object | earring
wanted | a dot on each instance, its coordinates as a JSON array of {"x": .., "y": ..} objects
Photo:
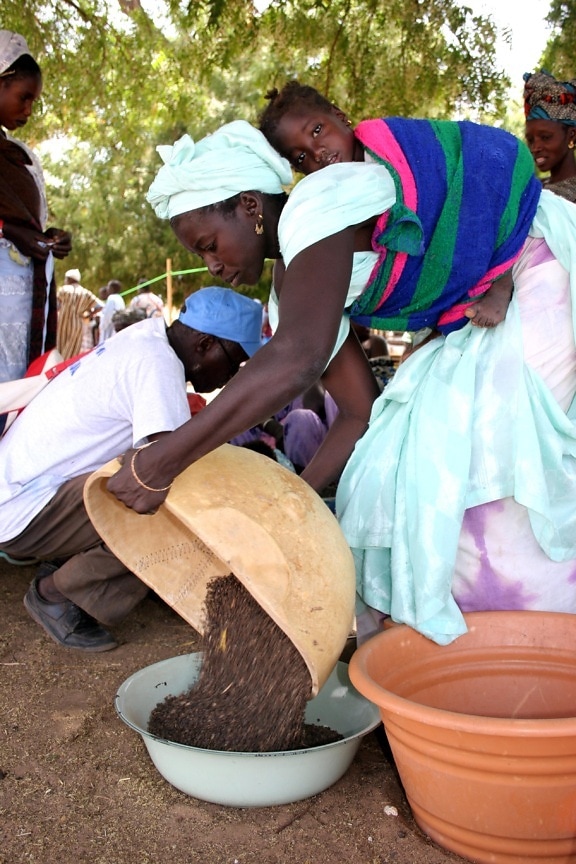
[
  {"x": 259, "y": 226},
  {"x": 571, "y": 145}
]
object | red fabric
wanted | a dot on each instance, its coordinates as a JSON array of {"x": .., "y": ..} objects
[
  {"x": 196, "y": 403},
  {"x": 37, "y": 365}
]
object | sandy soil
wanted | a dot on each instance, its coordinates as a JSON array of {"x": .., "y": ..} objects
[{"x": 77, "y": 785}]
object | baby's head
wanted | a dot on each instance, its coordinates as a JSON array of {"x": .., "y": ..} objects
[{"x": 307, "y": 129}]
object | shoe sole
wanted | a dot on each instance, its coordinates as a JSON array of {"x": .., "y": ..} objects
[{"x": 98, "y": 649}]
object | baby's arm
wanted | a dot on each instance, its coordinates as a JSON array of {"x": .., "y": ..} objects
[{"x": 492, "y": 307}]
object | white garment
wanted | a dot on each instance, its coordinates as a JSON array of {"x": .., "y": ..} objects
[
  {"x": 114, "y": 303},
  {"x": 327, "y": 202},
  {"x": 471, "y": 444},
  {"x": 150, "y": 303},
  {"x": 129, "y": 388},
  {"x": 16, "y": 277}
]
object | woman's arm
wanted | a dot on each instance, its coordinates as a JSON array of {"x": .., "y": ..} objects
[
  {"x": 312, "y": 300},
  {"x": 351, "y": 383},
  {"x": 29, "y": 241},
  {"x": 33, "y": 243}
]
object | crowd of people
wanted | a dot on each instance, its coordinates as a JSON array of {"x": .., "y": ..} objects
[{"x": 455, "y": 473}]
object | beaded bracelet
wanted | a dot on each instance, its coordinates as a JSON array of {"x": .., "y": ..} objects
[{"x": 135, "y": 475}]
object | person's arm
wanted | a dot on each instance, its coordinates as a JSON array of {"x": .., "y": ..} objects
[
  {"x": 311, "y": 302},
  {"x": 27, "y": 240},
  {"x": 35, "y": 244},
  {"x": 353, "y": 386}
]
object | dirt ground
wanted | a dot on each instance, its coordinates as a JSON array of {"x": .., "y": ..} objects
[{"x": 77, "y": 785}]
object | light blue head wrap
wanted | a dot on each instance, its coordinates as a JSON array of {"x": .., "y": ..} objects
[{"x": 236, "y": 158}]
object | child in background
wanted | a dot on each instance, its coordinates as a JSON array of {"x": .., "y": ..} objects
[{"x": 312, "y": 132}]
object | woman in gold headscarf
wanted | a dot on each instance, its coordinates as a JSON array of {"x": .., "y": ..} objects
[{"x": 550, "y": 109}]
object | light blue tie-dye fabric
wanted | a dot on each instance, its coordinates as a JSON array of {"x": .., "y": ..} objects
[{"x": 463, "y": 422}]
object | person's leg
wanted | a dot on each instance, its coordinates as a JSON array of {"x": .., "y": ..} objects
[
  {"x": 84, "y": 573},
  {"x": 100, "y": 584}
]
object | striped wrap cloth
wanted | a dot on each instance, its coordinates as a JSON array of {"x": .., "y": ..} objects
[{"x": 466, "y": 197}]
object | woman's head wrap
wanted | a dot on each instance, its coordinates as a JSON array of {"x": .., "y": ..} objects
[
  {"x": 12, "y": 46},
  {"x": 236, "y": 158},
  {"x": 545, "y": 98}
]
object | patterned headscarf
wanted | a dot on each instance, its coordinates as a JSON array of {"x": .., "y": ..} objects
[
  {"x": 545, "y": 98},
  {"x": 12, "y": 46},
  {"x": 236, "y": 158}
]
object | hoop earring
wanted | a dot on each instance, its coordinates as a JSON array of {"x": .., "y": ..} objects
[{"x": 259, "y": 226}]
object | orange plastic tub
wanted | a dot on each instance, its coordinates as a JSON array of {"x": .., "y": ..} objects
[{"x": 483, "y": 732}]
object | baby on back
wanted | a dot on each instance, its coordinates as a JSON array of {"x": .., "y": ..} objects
[{"x": 311, "y": 132}]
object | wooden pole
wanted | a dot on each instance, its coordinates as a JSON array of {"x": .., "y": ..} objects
[{"x": 169, "y": 288}]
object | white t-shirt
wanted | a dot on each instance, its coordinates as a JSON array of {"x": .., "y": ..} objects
[{"x": 129, "y": 388}]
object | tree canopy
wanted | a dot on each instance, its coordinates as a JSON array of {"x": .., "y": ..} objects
[
  {"x": 560, "y": 56},
  {"x": 121, "y": 76}
]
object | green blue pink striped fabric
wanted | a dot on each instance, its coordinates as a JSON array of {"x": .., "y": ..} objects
[{"x": 467, "y": 194}]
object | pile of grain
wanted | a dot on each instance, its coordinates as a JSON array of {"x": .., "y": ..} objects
[{"x": 253, "y": 685}]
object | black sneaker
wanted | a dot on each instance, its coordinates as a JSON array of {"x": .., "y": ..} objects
[{"x": 66, "y": 623}]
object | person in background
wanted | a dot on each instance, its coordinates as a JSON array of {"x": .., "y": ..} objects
[
  {"x": 376, "y": 349},
  {"x": 77, "y": 309},
  {"x": 550, "y": 109},
  {"x": 28, "y": 316},
  {"x": 374, "y": 344},
  {"x": 150, "y": 303},
  {"x": 305, "y": 424},
  {"x": 298, "y": 430},
  {"x": 128, "y": 392},
  {"x": 126, "y": 317},
  {"x": 113, "y": 302}
]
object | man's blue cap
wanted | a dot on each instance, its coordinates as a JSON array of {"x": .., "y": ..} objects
[{"x": 223, "y": 313}]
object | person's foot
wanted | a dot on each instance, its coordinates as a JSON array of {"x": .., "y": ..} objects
[
  {"x": 492, "y": 307},
  {"x": 485, "y": 314},
  {"x": 66, "y": 623}
]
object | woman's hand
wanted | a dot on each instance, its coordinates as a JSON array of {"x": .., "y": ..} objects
[
  {"x": 60, "y": 242},
  {"x": 129, "y": 485},
  {"x": 29, "y": 241}
]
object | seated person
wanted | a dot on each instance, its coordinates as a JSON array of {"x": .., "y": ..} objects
[{"x": 128, "y": 392}]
